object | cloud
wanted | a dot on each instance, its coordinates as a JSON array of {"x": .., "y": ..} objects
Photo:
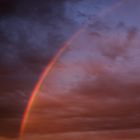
[
  {"x": 29, "y": 39},
  {"x": 1, "y": 138},
  {"x": 102, "y": 135},
  {"x": 100, "y": 71},
  {"x": 94, "y": 86}
]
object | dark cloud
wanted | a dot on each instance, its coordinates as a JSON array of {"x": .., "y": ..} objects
[
  {"x": 7, "y": 7},
  {"x": 31, "y": 32}
]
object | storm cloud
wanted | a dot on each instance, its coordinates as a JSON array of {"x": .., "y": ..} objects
[{"x": 96, "y": 79}]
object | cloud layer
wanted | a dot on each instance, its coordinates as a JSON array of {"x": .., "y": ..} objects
[
  {"x": 97, "y": 79},
  {"x": 94, "y": 86}
]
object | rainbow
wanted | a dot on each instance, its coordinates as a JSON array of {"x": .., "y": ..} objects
[
  {"x": 49, "y": 67},
  {"x": 40, "y": 81}
]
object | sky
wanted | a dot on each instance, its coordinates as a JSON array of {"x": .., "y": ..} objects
[{"x": 93, "y": 90}]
